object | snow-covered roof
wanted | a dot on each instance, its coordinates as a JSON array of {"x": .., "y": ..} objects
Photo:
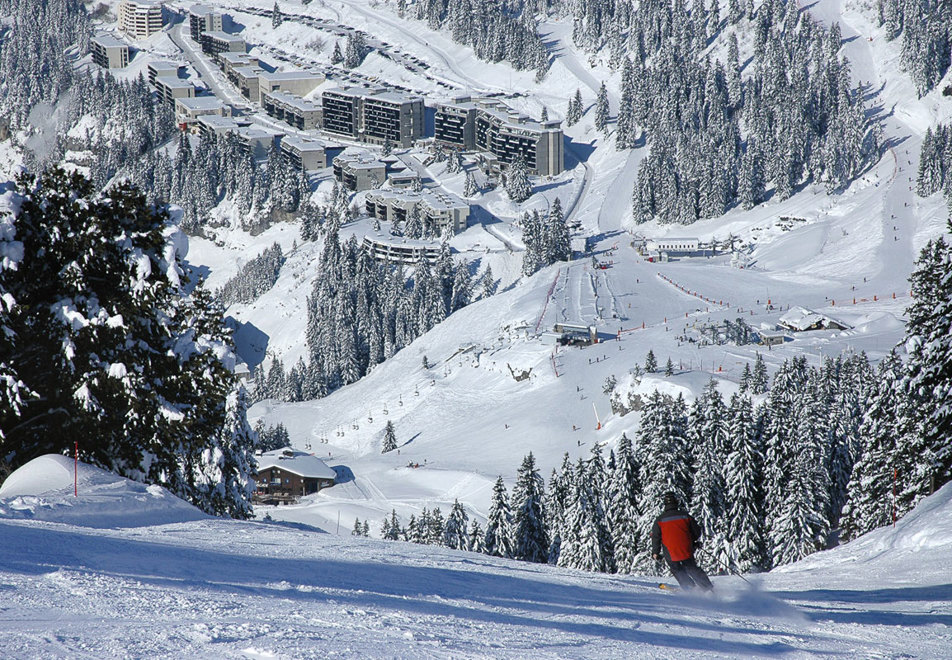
[
  {"x": 303, "y": 143},
  {"x": 201, "y": 103},
  {"x": 297, "y": 462},
  {"x": 108, "y": 41},
  {"x": 801, "y": 319},
  {"x": 223, "y": 36}
]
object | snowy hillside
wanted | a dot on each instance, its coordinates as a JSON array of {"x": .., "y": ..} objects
[
  {"x": 466, "y": 419},
  {"x": 111, "y": 582}
]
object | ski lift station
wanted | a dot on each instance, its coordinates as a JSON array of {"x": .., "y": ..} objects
[
  {"x": 660, "y": 249},
  {"x": 571, "y": 334}
]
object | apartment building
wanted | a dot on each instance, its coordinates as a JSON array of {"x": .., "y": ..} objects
[
  {"x": 140, "y": 19},
  {"x": 454, "y": 124},
  {"x": 109, "y": 52},
  {"x": 245, "y": 78},
  {"x": 203, "y": 19},
  {"x": 214, "y": 43},
  {"x": 217, "y": 125},
  {"x": 258, "y": 141},
  {"x": 373, "y": 115},
  {"x": 441, "y": 209},
  {"x": 172, "y": 89},
  {"x": 340, "y": 111},
  {"x": 162, "y": 69},
  {"x": 359, "y": 171},
  {"x": 284, "y": 106},
  {"x": 230, "y": 61},
  {"x": 388, "y": 116},
  {"x": 299, "y": 83},
  {"x": 397, "y": 251},
  {"x": 304, "y": 153},
  {"x": 189, "y": 109},
  {"x": 488, "y": 125}
]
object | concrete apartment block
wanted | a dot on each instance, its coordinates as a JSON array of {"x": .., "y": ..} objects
[
  {"x": 203, "y": 19},
  {"x": 488, "y": 125},
  {"x": 162, "y": 69},
  {"x": 373, "y": 115},
  {"x": 359, "y": 172},
  {"x": 171, "y": 89},
  {"x": 304, "y": 153},
  {"x": 245, "y": 78},
  {"x": 214, "y": 43},
  {"x": 189, "y": 109},
  {"x": 140, "y": 19},
  {"x": 284, "y": 106},
  {"x": 109, "y": 52}
]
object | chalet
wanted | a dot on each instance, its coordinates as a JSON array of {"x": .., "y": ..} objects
[
  {"x": 286, "y": 474},
  {"x": 801, "y": 319}
]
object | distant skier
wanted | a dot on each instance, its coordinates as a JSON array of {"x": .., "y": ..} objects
[{"x": 679, "y": 535}]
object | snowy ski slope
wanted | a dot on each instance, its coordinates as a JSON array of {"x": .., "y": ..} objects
[{"x": 168, "y": 582}]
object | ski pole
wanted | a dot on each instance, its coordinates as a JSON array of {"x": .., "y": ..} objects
[{"x": 726, "y": 568}]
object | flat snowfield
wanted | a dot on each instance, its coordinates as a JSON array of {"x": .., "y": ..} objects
[{"x": 212, "y": 588}]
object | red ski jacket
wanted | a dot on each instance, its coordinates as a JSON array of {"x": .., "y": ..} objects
[{"x": 677, "y": 531}]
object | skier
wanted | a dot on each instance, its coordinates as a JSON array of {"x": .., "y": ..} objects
[{"x": 679, "y": 535}]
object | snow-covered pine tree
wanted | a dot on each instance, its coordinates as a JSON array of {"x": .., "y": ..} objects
[
  {"x": 518, "y": 187},
  {"x": 336, "y": 56},
  {"x": 758, "y": 382},
  {"x": 710, "y": 446},
  {"x": 532, "y": 238},
  {"x": 574, "y": 112},
  {"x": 628, "y": 539},
  {"x": 743, "y": 474},
  {"x": 487, "y": 284},
  {"x": 870, "y": 503},
  {"x": 498, "y": 538},
  {"x": 601, "y": 108},
  {"x": 389, "y": 438},
  {"x": 276, "y": 16},
  {"x": 800, "y": 522},
  {"x": 651, "y": 363},
  {"x": 530, "y": 537},
  {"x": 355, "y": 50},
  {"x": 454, "y": 533},
  {"x": 923, "y": 457},
  {"x": 666, "y": 459},
  {"x": 132, "y": 347},
  {"x": 391, "y": 529},
  {"x": 558, "y": 245},
  {"x": 625, "y": 133},
  {"x": 470, "y": 189},
  {"x": 557, "y": 501},
  {"x": 586, "y": 541},
  {"x": 475, "y": 538},
  {"x": 435, "y": 527}
]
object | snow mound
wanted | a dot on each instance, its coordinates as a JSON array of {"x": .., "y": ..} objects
[
  {"x": 923, "y": 538},
  {"x": 43, "y": 490}
]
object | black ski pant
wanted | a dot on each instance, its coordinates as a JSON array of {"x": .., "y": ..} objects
[{"x": 689, "y": 575}]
